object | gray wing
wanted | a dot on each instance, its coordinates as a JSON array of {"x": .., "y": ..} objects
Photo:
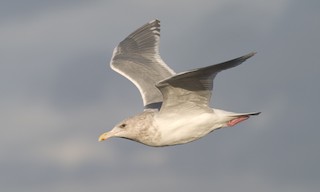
[
  {"x": 137, "y": 58},
  {"x": 192, "y": 89}
]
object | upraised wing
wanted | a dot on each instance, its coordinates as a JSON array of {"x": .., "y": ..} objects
[
  {"x": 137, "y": 58},
  {"x": 193, "y": 89}
]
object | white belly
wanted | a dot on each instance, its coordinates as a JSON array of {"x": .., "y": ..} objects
[{"x": 179, "y": 129}]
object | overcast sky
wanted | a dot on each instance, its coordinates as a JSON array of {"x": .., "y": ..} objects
[{"x": 58, "y": 94}]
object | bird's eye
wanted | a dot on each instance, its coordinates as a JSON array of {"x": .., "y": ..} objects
[{"x": 123, "y": 125}]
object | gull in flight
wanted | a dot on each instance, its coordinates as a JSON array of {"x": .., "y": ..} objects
[{"x": 176, "y": 105}]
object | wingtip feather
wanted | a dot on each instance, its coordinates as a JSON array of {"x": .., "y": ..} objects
[
  {"x": 247, "y": 56},
  {"x": 154, "y": 21}
]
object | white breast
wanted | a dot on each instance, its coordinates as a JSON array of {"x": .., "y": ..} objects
[{"x": 182, "y": 128}]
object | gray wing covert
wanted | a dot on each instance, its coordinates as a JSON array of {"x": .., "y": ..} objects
[
  {"x": 137, "y": 58},
  {"x": 193, "y": 89}
]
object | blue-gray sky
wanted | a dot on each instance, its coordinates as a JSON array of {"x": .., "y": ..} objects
[{"x": 58, "y": 94}]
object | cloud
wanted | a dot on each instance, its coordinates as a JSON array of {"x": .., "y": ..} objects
[{"x": 58, "y": 95}]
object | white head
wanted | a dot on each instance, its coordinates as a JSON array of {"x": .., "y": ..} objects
[
  {"x": 125, "y": 129},
  {"x": 135, "y": 128}
]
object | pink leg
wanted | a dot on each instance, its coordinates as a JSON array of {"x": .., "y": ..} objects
[{"x": 237, "y": 120}]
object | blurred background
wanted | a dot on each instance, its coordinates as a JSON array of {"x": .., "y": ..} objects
[{"x": 58, "y": 94}]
